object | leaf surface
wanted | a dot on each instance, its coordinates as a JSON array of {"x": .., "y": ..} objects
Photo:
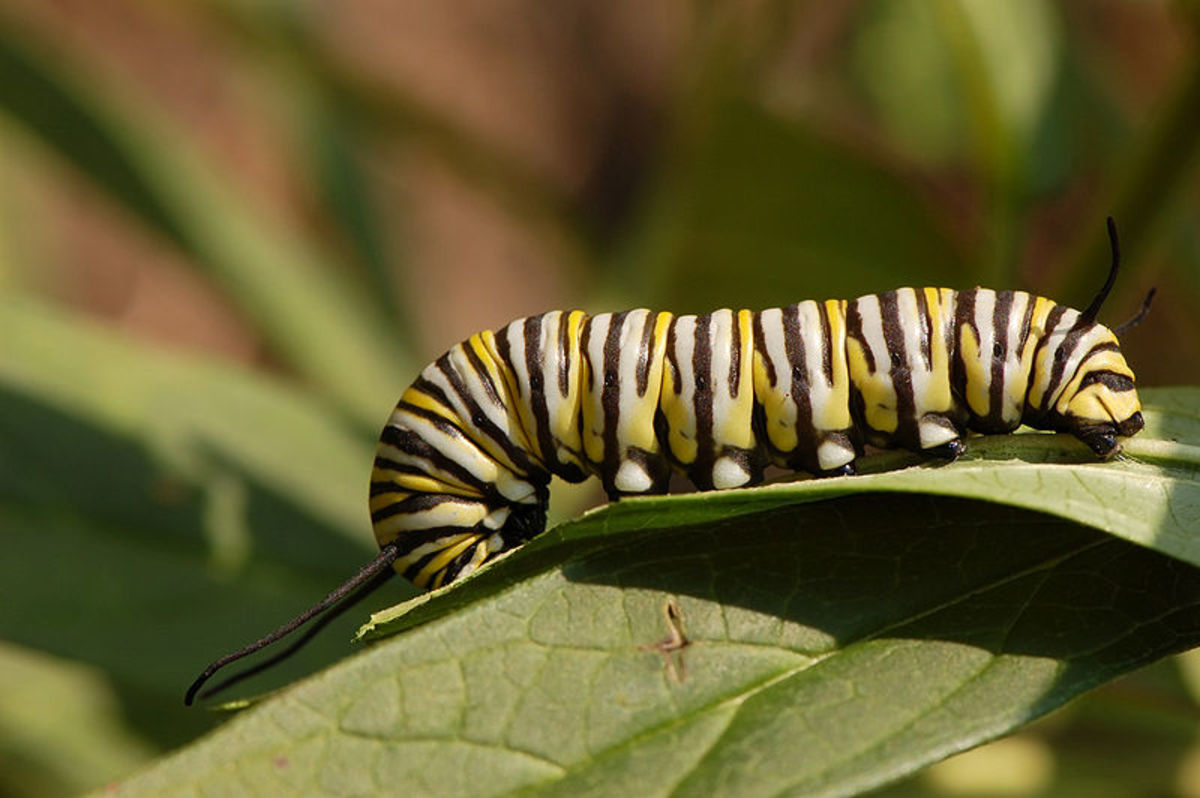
[{"x": 832, "y": 646}]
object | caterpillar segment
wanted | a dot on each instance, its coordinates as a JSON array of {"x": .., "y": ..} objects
[
  {"x": 802, "y": 384},
  {"x": 465, "y": 460},
  {"x": 623, "y": 372}
]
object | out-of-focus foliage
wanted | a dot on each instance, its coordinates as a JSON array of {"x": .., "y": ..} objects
[{"x": 343, "y": 189}]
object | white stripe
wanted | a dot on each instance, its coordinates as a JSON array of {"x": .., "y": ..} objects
[
  {"x": 454, "y": 446},
  {"x": 593, "y": 421},
  {"x": 685, "y": 348},
  {"x": 775, "y": 349},
  {"x": 812, "y": 337},
  {"x": 1013, "y": 392},
  {"x": 515, "y": 333},
  {"x": 464, "y": 514},
  {"x": 872, "y": 331},
  {"x": 629, "y": 350},
  {"x": 1057, "y": 339},
  {"x": 720, "y": 345}
]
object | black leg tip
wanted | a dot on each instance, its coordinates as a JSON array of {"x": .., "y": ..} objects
[
  {"x": 847, "y": 470},
  {"x": 1104, "y": 444},
  {"x": 951, "y": 450}
]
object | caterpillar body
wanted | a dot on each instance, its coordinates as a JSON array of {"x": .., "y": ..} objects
[{"x": 463, "y": 464}]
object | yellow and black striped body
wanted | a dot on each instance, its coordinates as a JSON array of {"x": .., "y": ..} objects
[{"x": 463, "y": 464}]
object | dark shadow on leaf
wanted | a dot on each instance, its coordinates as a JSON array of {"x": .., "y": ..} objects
[
  {"x": 992, "y": 576},
  {"x": 913, "y": 585}
]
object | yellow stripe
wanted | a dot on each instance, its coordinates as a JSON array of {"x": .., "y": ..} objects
[
  {"x": 439, "y": 562},
  {"x": 381, "y": 501},
  {"x": 736, "y": 428},
  {"x": 636, "y": 421},
  {"x": 564, "y": 422},
  {"x": 1101, "y": 361},
  {"x": 418, "y": 398},
  {"x": 834, "y": 414},
  {"x": 937, "y": 398},
  {"x": 1042, "y": 367},
  {"x": 503, "y": 378},
  {"x": 441, "y": 482},
  {"x": 418, "y": 483}
]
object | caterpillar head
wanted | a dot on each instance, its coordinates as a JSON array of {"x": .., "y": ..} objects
[
  {"x": 1081, "y": 382},
  {"x": 1082, "y": 385},
  {"x": 1101, "y": 403}
]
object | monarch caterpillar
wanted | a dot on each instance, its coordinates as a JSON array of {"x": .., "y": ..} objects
[{"x": 463, "y": 464}]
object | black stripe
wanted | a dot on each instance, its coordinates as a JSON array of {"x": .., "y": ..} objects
[
  {"x": 485, "y": 378},
  {"x": 700, "y": 471},
  {"x": 414, "y": 445},
  {"x": 388, "y": 485},
  {"x": 585, "y": 354},
  {"x": 826, "y": 341},
  {"x": 564, "y": 352},
  {"x": 411, "y": 572},
  {"x": 504, "y": 352},
  {"x": 906, "y": 433},
  {"x": 854, "y": 330},
  {"x": 610, "y": 397},
  {"x": 964, "y": 317},
  {"x": 384, "y": 487},
  {"x": 735, "y": 354},
  {"x": 535, "y": 365},
  {"x": 484, "y": 424},
  {"x": 417, "y": 503},
  {"x": 450, "y": 571},
  {"x": 1119, "y": 383},
  {"x": 793, "y": 347},
  {"x": 673, "y": 359},
  {"x": 644, "y": 353},
  {"x": 441, "y": 422},
  {"x": 1105, "y": 346},
  {"x": 926, "y": 321},
  {"x": 1064, "y": 346},
  {"x": 388, "y": 464},
  {"x": 435, "y": 392},
  {"x": 1001, "y": 311},
  {"x": 1026, "y": 322}
]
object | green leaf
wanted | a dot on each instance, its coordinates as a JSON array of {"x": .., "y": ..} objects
[
  {"x": 318, "y": 320},
  {"x": 831, "y": 646},
  {"x": 828, "y": 651}
]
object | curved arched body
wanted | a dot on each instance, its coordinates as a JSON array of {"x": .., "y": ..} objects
[{"x": 463, "y": 464}]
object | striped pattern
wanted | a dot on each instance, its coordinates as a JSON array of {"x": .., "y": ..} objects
[{"x": 463, "y": 465}]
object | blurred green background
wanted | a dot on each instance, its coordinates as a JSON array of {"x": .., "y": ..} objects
[{"x": 232, "y": 231}]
